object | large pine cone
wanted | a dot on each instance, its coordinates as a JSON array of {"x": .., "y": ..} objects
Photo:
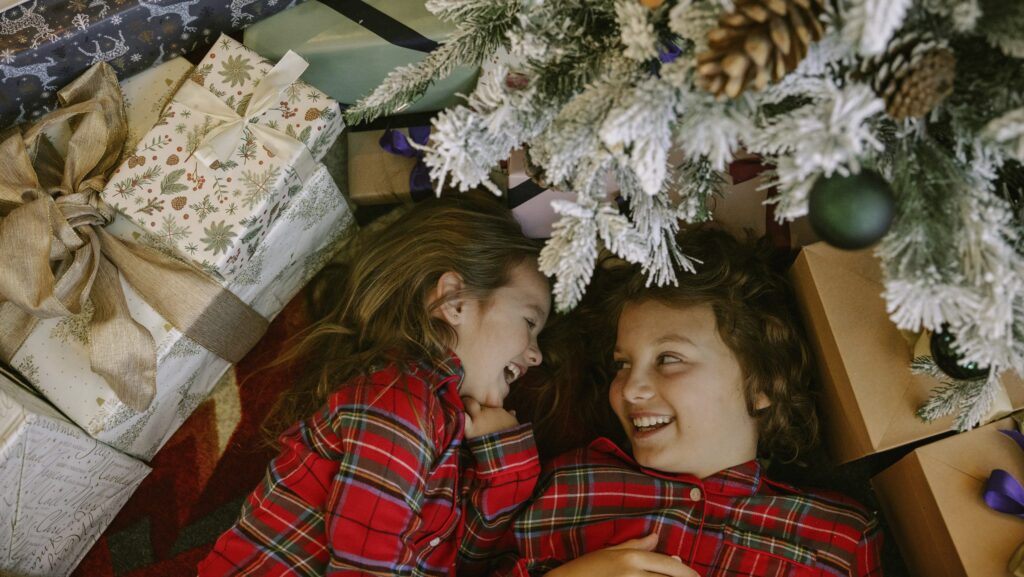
[
  {"x": 913, "y": 75},
  {"x": 760, "y": 42}
]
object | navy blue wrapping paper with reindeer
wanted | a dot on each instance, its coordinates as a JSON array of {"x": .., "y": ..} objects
[{"x": 45, "y": 44}]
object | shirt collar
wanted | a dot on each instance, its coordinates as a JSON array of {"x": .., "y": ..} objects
[
  {"x": 445, "y": 378},
  {"x": 742, "y": 480}
]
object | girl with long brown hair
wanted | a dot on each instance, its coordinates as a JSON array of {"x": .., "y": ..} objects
[{"x": 437, "y": 316}]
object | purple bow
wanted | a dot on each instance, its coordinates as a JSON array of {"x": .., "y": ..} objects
[
  {"x": 1002, "y": 492},
  {"x": 669, "y": 52},
  {"x": 395, "y": 142}
]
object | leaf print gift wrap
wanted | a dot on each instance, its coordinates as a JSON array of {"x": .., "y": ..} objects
[{"x": 236, "y": 142}]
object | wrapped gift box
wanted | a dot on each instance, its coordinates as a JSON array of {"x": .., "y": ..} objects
[
  {"x": 376, "y": 176},
  {"x": 48, "y": 43},
  {"x": 145, "y": 96},
  {"x": 147, "y": 93},
  {"x": 869, "y": 395},
  {"x": 60, "y": 487},
  {"x": 56, "y": 355},
  {"x": 932, "y": 500},
  {"x": 219, "y": 208},
  {"x": 530, "y": 202},
  {"x": 310, "y": 222},
  {"x": 352, "y": 46}
]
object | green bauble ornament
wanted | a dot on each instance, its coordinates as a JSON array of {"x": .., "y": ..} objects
[
  {"x": 943, "y": 348},
  {"x": 851, "y": 212}
]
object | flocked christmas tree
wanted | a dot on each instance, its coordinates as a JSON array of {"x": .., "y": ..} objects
[{"x": 911, "y": 109}]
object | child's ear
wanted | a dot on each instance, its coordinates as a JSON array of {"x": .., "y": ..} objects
[
  {"x": 447, "y": 290},
  {"x": 761, "y": 402}
]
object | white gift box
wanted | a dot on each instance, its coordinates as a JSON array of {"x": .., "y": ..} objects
[
  {"x": 61, "y": 488},
  {"x": 55, "y": 357},
  {"x": 309, "y": 222}
]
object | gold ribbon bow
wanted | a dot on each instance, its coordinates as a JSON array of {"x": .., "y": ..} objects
[
  {"x": 220, "y": 142},
  {"x": 51, "y": 212}
]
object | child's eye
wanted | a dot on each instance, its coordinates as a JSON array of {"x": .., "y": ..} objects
[
  {"x": 619, "y": 364},
  {"x": 668, "y": 359},
  {"x": 531, "y": 323}
]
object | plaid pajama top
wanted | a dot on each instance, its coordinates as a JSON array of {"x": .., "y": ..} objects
[
  {"x": 362, "y": 488},
  {"x": 733, "y": 523}
]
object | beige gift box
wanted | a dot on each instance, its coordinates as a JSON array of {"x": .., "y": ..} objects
[
  {"x": 932, "y": 499},
  {"x": 869, "y": 395}
]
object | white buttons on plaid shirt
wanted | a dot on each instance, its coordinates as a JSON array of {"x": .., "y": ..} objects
[
  {"x": 695, "y": 494},
  {"x": 435, "y": 541}
]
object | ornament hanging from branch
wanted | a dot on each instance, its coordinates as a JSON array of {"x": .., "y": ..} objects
[
  {"x": 851, "y": 212},
  {"x": 943, "y": 348},
  {"x": 759, "y": 42},
  {"x": 914, "y": 74}
]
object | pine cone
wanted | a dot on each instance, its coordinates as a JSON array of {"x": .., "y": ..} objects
[
  {"x": 312, "y": 114},
  {"x": 173, "y": 159},
  {"x": 913, "y": 75},
  {"x": 760, "y": 42},
  {"x": 178, "y": 202}
]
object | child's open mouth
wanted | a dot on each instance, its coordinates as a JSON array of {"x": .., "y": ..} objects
[{"x": 512, "y": 372}]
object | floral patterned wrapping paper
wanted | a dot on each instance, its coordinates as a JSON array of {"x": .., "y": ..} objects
[
  {"x": 219, "y": 213},
  {"x": 312, "y": 220}
]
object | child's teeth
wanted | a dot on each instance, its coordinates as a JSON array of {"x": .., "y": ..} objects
[{"x": 641, "y": 422}]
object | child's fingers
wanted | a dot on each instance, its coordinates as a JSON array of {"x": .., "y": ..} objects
[{"x": 473, "y": 408}]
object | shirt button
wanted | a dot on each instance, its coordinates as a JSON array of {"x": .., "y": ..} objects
[
  {"x": 435, "y": 541},
  {"x": 695, "y": 494}
]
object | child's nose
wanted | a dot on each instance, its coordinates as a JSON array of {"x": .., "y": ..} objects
[
  {"x": 533, "y": 355},
  {"x": 636, "y": 388}
]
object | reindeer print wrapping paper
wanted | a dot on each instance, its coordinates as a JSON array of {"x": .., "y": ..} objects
[{"x": 45, "y": 44}]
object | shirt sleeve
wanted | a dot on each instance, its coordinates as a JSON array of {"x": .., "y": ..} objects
[
  {"x": 376, "y": 500},
  {"x": 869, "y": 553},
  {"x": 495, "y": 488}
]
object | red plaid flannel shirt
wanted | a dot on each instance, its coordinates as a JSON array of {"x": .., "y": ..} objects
[
  {"x": 733, "y": 523},
  {"x": 363, "y": 488}
]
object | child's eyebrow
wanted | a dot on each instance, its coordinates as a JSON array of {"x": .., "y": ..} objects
[
  {"x": 675, "y": 338},
  {"x": 540, "y": 311}
]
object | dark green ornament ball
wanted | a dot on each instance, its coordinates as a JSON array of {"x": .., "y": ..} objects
[
  {"x": 851, "y": 212},
  {"x": 946, "y": 357}
]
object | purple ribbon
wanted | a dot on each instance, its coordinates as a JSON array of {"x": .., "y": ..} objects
[
  {"x": 669, "y": 52},
  {"x": 395, "y": 142},
  {"x": 1002, "y": 492}
]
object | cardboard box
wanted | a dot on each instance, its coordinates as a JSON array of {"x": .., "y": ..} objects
[
  {"x": 60, "y": 488},
  {"x": 932, "y": 499},
  {"x": 869, "y": 395}
]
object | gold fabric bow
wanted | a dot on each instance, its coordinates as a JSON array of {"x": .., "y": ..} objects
[{"x": 55, "y": 255}]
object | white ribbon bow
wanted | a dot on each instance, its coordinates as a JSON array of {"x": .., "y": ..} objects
[{"x": 220, "y": 142}]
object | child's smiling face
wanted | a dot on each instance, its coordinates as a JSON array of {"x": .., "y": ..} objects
[
  {"x": 679, "y": 391},
  {"x": 497, "y": 336}
]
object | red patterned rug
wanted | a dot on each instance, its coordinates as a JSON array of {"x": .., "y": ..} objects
[{"x": 202, "y": 474}]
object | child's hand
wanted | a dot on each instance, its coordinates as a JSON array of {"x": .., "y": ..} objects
[
  {"x": 481, "y": 420},
  {"x": 633, "y": 558}
]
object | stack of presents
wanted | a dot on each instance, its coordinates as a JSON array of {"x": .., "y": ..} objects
[{"x": 156, "y": 213}]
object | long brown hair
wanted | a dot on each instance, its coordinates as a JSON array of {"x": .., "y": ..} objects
[
  {"x": 755, "y": 313},
  {"x": 375, "y": 309}
]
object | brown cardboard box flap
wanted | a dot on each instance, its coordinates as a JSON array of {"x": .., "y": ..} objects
[
  {"x": 933, "y": 503},
  {"x": 869, "y": 395},
  {"x": 376, "y": 176}
]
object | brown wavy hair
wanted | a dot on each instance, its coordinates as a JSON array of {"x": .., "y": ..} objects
[
  {"x": 756, "y": 317},
  {"x": 373, "y": 307}
]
